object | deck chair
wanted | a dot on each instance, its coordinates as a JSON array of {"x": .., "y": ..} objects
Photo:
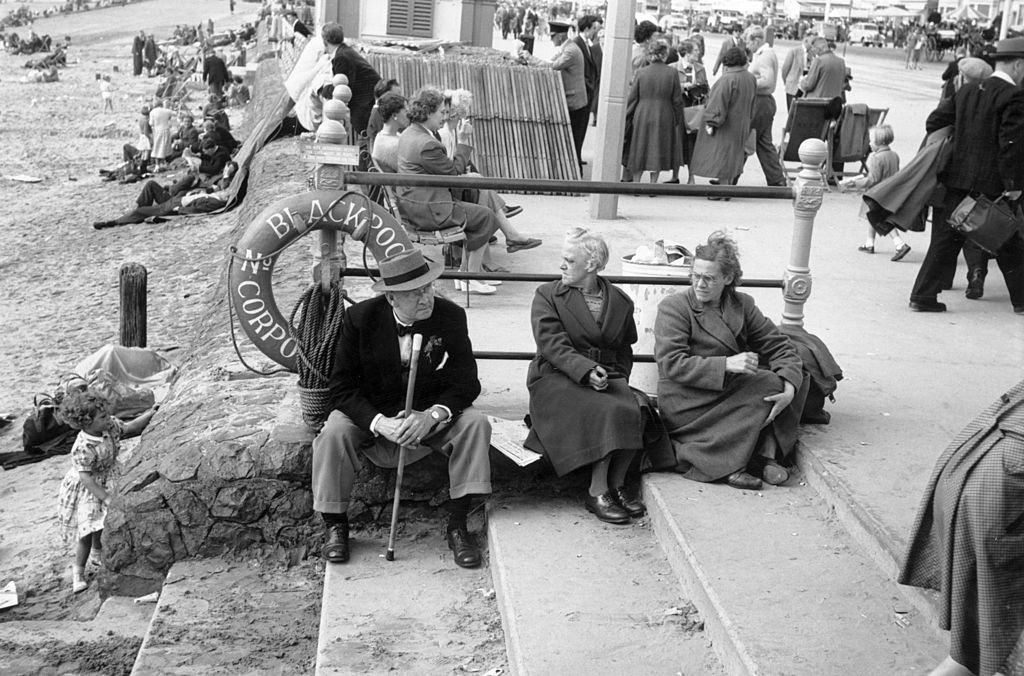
[{"x": 808, "y": 118}]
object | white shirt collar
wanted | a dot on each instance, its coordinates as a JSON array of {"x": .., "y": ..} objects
[{"x": 1003, "y": 76}]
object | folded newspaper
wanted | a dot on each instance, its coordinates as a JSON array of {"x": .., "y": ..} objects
[{"x": 507, "y": 437}]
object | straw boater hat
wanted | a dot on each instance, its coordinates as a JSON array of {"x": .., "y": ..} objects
[{"x": 406, "y": 271}]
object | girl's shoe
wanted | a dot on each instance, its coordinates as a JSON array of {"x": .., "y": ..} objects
[
  {"x": 78, "y": 583},
  {"x": 867, "y": 249}
]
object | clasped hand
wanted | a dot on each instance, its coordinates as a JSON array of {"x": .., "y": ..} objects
[
  {"x": 780, "y": 401},
  {"x": 598, "y": 378},
  {"x": 406, "y": 431}
]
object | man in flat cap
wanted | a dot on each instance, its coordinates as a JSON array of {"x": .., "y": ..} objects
[
  {"x": 987, "y": 159},
  {"x": 368, "y": 388},
  {"x": 570, "y": 63}
]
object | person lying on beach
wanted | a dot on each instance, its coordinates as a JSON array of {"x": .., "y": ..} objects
[{"x": 189, "y": 195}]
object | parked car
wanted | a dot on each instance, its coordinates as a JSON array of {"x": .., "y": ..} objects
[
  {"x": 866, "y": 34},
  {"x": 730, "y": 19}
]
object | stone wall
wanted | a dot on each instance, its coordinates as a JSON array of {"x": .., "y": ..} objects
[{"x": 225, "y": 465}]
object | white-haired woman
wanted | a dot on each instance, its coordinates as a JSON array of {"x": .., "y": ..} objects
[
  {"x": 458, "y": 104},
  {"x": 582, "y": 410}
]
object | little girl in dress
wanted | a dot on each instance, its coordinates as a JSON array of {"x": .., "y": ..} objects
[
  {"x": 882, "y": 163},
  {"x": 84, "y": 492}
]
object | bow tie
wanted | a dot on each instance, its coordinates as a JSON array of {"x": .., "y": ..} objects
[{"x": 404, "y": 330}]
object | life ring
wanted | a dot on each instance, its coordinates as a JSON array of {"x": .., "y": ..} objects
[{"x": 274, "y": 230}]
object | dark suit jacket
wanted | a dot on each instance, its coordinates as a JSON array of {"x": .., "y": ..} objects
[
  {"x": 826, "y": 78},
  {"x": 420, "y": 153},
  {"x": 214, "y": 70},
  {"x": 591, "y": 74},
  {"x": 727, "y": 44},
  {"x": 362, "y": 78},
  {"x": 988, "y": 138},
  {"x": 368, "y": 376}
]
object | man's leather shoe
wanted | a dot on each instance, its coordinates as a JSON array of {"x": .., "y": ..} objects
[
  {"x": 743, "y": 481},
  {"x": 467, "y": 554},
  {"x": 632, "y": 505},
  {"x": 1018, "y": 309},
  {"x": 975, "y": 286},
  {"x": 606, "y": 509},
  {"x": 335, "y": 547},
  {"x": 927, "y": 306}
]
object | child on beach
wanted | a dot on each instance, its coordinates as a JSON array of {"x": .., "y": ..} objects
[
  {"x": 882, "y": 163},
  {"x": 106, "y": 92},
  {"x": 84, "y": 494}
]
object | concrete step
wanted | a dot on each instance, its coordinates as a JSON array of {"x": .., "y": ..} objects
[
  {"x": 418, "y": 614},
  {"x": 782, "y": 586},
  {"x": 824, "y": 472},
  {"x": 216, "y": 616},
  {"x": 578, "y": 596},
  {"x": 119, "y": 625}
]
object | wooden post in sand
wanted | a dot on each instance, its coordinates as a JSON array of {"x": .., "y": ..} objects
[{"x": 133, "y": 278}]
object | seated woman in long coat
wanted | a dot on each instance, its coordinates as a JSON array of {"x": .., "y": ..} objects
[
  {"x": 731, "y": 386},
  {"x": 582, "y": 408}
]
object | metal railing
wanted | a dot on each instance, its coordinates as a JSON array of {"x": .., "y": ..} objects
[{"x": 806, "y": 193}]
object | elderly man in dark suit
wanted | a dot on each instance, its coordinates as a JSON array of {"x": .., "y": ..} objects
[
  {"x": 362, "y": 77},
  {"x": 368, "y": 387},
  {"x": 987, "y": 159},
  {"x": 826, "y": 78}
]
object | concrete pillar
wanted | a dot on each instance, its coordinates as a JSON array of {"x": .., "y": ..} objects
[
  {"x": 611, "y": 118},
  {"x": 807, "y": 193}
]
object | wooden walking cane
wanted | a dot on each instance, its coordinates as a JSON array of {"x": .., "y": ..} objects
[{"x": 414, "y": 361}]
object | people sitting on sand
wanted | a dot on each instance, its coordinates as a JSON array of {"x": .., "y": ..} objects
[
  {"x": 189, "y": 195},
  {"x": 238, "y": 92},
  {"x": 731, "y": 387},
  {"x": 209, "y": 160},
  {"x": 185, "y": 136},
  {"x": 584, "y": 330}
]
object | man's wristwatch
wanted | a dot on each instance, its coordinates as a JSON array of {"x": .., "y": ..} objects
[{"x": 438, "y": 415}]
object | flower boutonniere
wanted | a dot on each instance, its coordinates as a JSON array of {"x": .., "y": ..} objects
[{"x": 433, "y": 352}]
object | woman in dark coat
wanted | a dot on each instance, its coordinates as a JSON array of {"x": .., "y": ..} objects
[
  {"x": 693, "y": 80},
  {"x": 718, "y": 152},
  {"x": 731, "y": 386},
  {"x": 138, "y": 44},
  {"x": 582, "y": 410},
  {"x": 654, "y": 111},
  {"x": 968, "y": 542}
]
